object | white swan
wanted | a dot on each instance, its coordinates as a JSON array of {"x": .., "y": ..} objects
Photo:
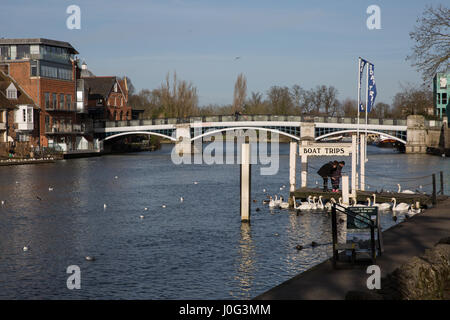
[
  {"x": 381, "y": 206},
  {"x": 399, "y": 207},
  {"x": 329, "y": 204},
  {"x": 301, "y": 206},
  {"x": 272, "y": 203},
  {"x": 355, "y": 203},
  {"x": 320, "y": 205},
  {"x": 284, "y": 205},
  {"x": 313, "y": 204},
  {"x": 277, "y": 201},
  {"x": 404, "y": 191},
  {"x": 342, "y": 204}
]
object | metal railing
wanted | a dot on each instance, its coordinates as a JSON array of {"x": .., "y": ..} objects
[{"x": 232, "y": 118}]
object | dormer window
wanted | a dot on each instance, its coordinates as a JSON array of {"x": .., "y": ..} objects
[{"x": 11, "y": 92}]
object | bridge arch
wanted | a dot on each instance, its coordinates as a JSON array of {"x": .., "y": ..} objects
[
  {"x": 139, "y": 132},
  {"x": 208, "y": 133},
  {"x": 361, "y": 131}
]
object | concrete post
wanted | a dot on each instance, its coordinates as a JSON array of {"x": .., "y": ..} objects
[
  {"x": 245, "y": 182},
  {"x": 354, "y": 156},
  {"x": 345, "y": 194},
  {"x": 183, "y": 136},
  {"x": 362, "y": 162},
  {"x": 292, "y": 166},
  {"x": 304, "y": 172},
  {"x": 416, "y": 134}
]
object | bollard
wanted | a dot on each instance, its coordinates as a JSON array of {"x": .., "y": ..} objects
[
  {"x": 292, "y": 166},
  {"x": 345, "y": 195},
  {"x": 434, "y": 200},
  {"x": 441, "y": 176},
  {"x": 245, "y": 182}
]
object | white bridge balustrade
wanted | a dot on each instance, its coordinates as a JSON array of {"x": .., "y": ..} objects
[{"x": 290, "y": 126}]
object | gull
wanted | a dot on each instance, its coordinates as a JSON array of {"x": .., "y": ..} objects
[
  {"x": 141, "y": 216},
  {"x": 181, "y": 199},
  {"x": 3, "y": 202},
  {"x": 50, "y": 189},
  {"x": 163, "y": 206},
  {"x": 145, "y": 209},
  {"x": 104, "y": 206},
  {"x": 237, "y": 58}
]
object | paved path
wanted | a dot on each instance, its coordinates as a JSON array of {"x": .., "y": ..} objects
[{"x": 401, "y": 242}]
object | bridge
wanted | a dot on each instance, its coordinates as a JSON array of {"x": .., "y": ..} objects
[{"x": 413, "y": 132}]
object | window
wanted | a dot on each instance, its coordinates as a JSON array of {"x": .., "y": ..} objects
[
  {"x": 47, "y": 100},
  {"x": 54, "y": 101},
  {"x": 47, "y": 123},
  {"x": 11, "y": 93},
  {"x": 444, "y": 98},
  {"x": 69, "y": 101},
  {"x": 439, "y": 98},
  {"x": 33, "y": 66},
  {"x": 61, "y": 101},
  {"x": 30, "y": 115}
]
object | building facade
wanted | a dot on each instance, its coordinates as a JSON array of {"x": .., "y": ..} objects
[
  {"x": 441, "y": 92},
  {"x": 47, "y": 72}
]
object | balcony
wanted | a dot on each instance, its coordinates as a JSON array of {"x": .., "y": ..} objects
[{"x": 26, "y": 126}]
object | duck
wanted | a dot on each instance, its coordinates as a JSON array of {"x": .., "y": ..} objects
[
  {"x": 404, "y": 191},
  {"x": 381, "y": 206},
  {"x": 399, "y": 207}
]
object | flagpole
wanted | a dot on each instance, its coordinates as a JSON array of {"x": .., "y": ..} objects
[
  {"x": 367, "y": 104},
  {"x": 358, "y": 104}
]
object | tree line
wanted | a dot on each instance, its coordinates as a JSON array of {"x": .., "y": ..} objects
[{"x": 176, "y": 98}]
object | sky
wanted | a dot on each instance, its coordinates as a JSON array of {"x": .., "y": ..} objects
[{"x": 281, "y": 43}]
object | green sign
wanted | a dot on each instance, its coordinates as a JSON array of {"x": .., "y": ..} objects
[{"x": 363, "y": 217}]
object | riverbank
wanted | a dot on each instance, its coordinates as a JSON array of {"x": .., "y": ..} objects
[
  {"x": 14, "y": 162},
  {"x": 401, "y": 242}
]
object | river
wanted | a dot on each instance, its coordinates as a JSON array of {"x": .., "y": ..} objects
[{"x": 195, "y": 249}]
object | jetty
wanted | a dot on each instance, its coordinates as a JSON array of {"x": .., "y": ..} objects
[{"x": 401, "y": 242}]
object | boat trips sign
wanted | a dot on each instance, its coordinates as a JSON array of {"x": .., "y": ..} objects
[{"x": 326, "y": 149}]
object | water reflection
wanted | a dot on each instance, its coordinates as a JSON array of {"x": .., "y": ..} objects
[{"x": 246, "y": 263}]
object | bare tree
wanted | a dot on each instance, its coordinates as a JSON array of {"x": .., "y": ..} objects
[
  {"x": 349, "y": 108},
  {"x": 255, "y": 104},
  {"x": 280, "y": 100},
  {"x": 432, "y": 49},
  {"x": 412, "y": 100},
  {"x": 240, "y": 92},
  {"x": 178, "y": 99}
]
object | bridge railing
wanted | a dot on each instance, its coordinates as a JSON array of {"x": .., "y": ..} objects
[{"x": 257, "y": 117}]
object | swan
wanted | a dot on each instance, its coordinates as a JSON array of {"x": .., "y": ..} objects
[
  {"x": 404, "y": 191},
  {"x": 320, "y": 205},
  {"x": 342, "y": 204},
  {"x": 277, "y": 201},
  {"x": 400, "y": 207},
  {"x": 272, "y": 203},
  {"x": 381, "y": 206},
  {"x": 329, "y": 204},
  {"x": 301, "y": 206},
  {"x": 313, "y": 204},
  {"x": 412, "y": 212},
  {"x": 284, "y": 205},
  {"x": 355, "y": 203}
]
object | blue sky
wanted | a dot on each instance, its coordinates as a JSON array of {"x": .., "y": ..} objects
[{"x": 279, "y": 42}]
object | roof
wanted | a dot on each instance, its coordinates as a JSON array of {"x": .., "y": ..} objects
[
  {"x": 44, "y": 41},
  {"x": 99, "y": 87},
  {"x": 22, "y": 96}
]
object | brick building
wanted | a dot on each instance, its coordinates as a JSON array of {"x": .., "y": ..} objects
[
  {"x": 47, "y": 71},
  {"x": 107, "y": 97},
  {"x": 18, "y": 113}
]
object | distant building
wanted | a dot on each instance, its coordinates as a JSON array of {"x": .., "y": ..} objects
[
  {"x": 441, "y": 93},
  {"x": 106, "y": 98},
  {"x": 47, "y": 71}
]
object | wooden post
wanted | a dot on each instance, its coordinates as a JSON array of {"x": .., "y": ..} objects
[
  {"x": 245, "y": 182},
  {"x": 441, "y": 176},
  {"x": 354, "y": 157},
  {"x": 345, "y": 196},
  {"x": 362, "y": 162},
  {"x": 304, "y": 166},
  {"x": 434, "y": 200}
]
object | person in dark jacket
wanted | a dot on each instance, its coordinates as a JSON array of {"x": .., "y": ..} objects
[
  {"x": 325, "y": 171},
  {"x": 336, "y": 176}
]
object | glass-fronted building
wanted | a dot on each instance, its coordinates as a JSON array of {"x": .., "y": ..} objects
[{"x": 441, "y": 92}]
